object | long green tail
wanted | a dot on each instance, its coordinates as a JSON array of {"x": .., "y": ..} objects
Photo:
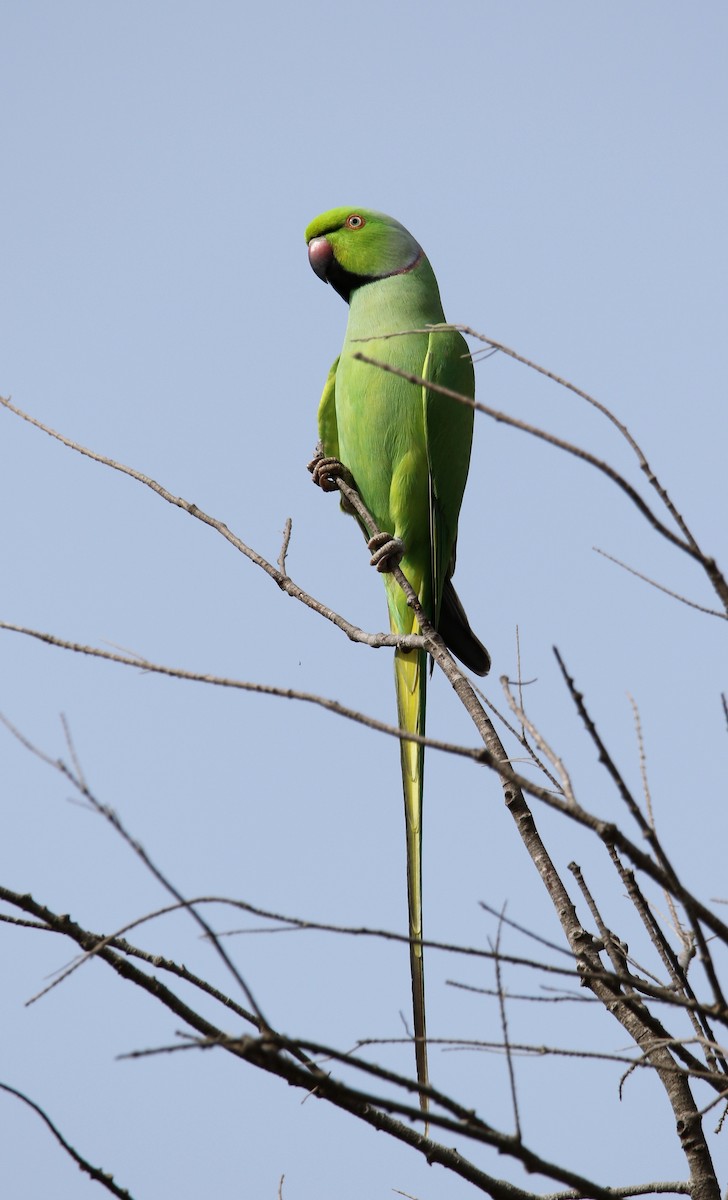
[{"x": 410, "y": 672}]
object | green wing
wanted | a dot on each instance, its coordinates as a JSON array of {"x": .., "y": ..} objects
[
  {"x": 449, "y": 435},
  {"x": 327, "y": 427}
]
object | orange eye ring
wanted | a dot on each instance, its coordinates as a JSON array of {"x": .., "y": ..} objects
[{"x": 355, "y": 221}]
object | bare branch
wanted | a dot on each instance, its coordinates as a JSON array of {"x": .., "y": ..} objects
[
  {"x": 284, "y": 582},
  {"x": 263, "y": 689},
  {"x": 504, "y": 1027},
  {"x": 96, "y": 1173},
  {"x": 552, "y": 439},
  {"x": 689, "y": 546},
  {"x": 648, "y": 832},
  {"x": 77, "y": 781},
  {"x": 287, "y": 529},
  {"x": 602, "y": 408},
  {"x": 710, "y": 612},
  {"x": 616, "y": 984}
]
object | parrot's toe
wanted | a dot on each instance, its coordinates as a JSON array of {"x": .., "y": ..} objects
[
  {"x": 387, "y": 551},
  {"x": 324, "y": 469}
]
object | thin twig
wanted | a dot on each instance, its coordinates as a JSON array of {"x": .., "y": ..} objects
[
  {"x": 576, "y": 451},
  {"x": 263, "y": 689},
  {"x": 710, "y": 612},
  {"x": 96, "y": 1173},
  {"x": 77, "y": 781},
  {"x": 689, "y": 545},
  {"x": 504, "y": 1029},
  {"x": 287, "y": 529},
  {"x": 693, "y": 910},
  {"x": 284, "y": 582}
]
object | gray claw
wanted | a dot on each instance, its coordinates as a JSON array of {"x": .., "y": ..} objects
[
  {"x": 387, "y": 551},
  {"x": 323, "y": 470}
]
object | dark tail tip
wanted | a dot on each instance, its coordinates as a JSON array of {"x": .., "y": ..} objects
[{"x": 455, "y": 631}]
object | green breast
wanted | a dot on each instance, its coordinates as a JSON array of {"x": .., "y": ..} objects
[{"x": 380, "y": 416}]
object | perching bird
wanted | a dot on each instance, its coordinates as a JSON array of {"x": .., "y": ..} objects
[{"x": 408, "y": 450}]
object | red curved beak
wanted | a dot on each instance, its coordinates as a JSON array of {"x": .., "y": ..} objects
[{"x": 320, "y": 256}]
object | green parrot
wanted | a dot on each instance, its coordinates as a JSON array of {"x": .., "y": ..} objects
[{"x": 408, "y": 450}]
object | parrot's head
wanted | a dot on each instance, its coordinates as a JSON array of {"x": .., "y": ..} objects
[{"x": 348, "y": 247}]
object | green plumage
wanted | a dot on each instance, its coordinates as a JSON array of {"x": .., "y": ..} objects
[{"x": 408, "y": 450}]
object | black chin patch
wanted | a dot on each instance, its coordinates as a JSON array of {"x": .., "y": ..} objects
[{"x": 346, "y": 282}]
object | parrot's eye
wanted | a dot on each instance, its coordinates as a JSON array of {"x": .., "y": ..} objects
[{"x": 354, "y": 221}]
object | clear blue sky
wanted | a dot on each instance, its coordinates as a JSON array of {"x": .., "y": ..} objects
[{"x": 564, "y": 166}]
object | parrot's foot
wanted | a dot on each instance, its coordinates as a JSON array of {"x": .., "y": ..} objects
[
  {"x": 387, "y": 551},
  {"x": 324, "y": 469}
]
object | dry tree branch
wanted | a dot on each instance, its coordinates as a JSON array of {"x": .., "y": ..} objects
[
  {"x": 463, "y": 1122},
  {"x": 716, "y": 577},
  {"x": 285, "y": 923},
  {"x": 302, "y": 925},
  {"x": 263, "y": 689},
  {"x": 688, "y": 545},
  {"x": 287, "y": 531},
  {"x": 532, "y": 1051},
  {"x": 660, "y": 993},
  {"x": 602, "y": 408},
  {"x": 658, "y": 1188},
  {"x": 632, "y": 1015},
  {"x": 289, "y": 1059},
  {"x": 277, "y": 574},
  {"x": 614, "y": 837},
  {"x": 670, "y": 960},
  {"x": 76, "y": 779},
  {"x": 657, "y": 1045},
  {"x": 607, "y": 831},
  {"x": 620, "y": 998},
  {"x": 493, "y": 346},
  {"x": 563, "y": 782},
  {"x": 256, "y": 1049},
  {"x": 495, "y": 758},
  {"x": 649, "y": 833},
  {"x": 125, "y": 947},
  {"x": 398, "y": 1108},
  {"x": 516, "y": 423},
  {"x": 709, "y": 612},
  {"x": 522, "y": 738},
  {"x": 555, "y": 997},
  {"x": 502, "y": 996},
  {"x": 96, "y": 1173}
]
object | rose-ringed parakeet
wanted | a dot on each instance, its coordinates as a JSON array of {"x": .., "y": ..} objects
[{"x": 408, "y": 450}]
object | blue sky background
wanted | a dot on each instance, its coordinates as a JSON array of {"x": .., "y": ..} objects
[{"x": 564, "y": 166}]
